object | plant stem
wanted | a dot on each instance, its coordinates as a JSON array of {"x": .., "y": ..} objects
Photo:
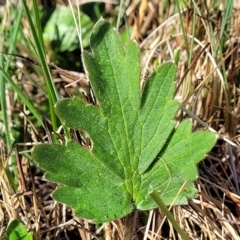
[
  {"x": 170, "y": 217},
  {"x": 128, "y": 227}
]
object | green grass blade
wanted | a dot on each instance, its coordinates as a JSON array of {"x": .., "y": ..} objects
[
  {"x": 36, "y": 32},
  {"x": 168, "y": 214},
  {"x": 12, "y": 173},
  {"x": 12, "y": 43},
  {"x": 23, "y": 97}
]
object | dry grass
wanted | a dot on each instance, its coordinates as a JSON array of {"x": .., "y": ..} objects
[{"x": 207, "y": 85}]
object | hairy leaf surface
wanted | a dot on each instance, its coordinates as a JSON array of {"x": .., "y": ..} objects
[{"x": 135, "y": 144}]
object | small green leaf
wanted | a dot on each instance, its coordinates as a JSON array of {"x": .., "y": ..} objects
[
  {"x": 60, "y": 30},
  {"x": 17, "y": 231},
  {"x": 135, "y": 144}
]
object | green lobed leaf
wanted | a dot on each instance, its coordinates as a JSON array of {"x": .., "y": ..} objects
[{"x": 135, "y": 144}]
